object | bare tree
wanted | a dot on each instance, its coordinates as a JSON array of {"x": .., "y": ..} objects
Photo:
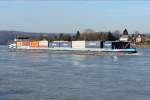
[
  {"x": 90, "y": 35},
  {"x": 116, "y": 34},
  {"x": 102, "y": 36}
]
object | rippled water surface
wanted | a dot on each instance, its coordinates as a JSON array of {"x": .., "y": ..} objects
[{"x": 47, "y": 76}]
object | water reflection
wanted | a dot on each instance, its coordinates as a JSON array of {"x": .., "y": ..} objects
[
  {"x": 78, "y": 60},
  {"x": 115, "y": 58}
]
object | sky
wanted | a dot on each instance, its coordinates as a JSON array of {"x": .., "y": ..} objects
[{"x": 68, "y": 16}]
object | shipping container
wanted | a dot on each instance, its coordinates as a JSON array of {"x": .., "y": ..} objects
[
  {"x": 92, "y": 44},
  {"x": 120, "y": 45},
  {"x": 26, "y": 43},
  {"x": 53, "y": 44},
  {"x": 19, "y": 43},
  {"x": 78, "y": 44},
  {"x": 66, "y": 44},
  {"x": 107, "y": 44},
  {"x": 34, "y": 44},
  {"x": 43, "y": 44}
]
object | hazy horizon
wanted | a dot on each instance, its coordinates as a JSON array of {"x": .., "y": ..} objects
[{"x": 70, "y": 16}]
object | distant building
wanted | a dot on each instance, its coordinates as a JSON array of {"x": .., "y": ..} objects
[
  {"x": 138, "y": 39},
  {"x": 125, "y": 32},
  {"x": 146, "y": 39},
  {"x": 125, "y": 36}
]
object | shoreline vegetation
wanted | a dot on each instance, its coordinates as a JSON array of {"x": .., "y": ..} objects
[{"x": 141, "y": 45}]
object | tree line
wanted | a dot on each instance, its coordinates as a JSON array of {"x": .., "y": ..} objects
[{"x": 88, "y": 35}]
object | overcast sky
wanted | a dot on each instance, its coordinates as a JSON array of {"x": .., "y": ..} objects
[{"x": 70, "y": 16}]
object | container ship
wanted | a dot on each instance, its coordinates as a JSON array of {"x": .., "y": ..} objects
[{"x": 74, "y": 46}]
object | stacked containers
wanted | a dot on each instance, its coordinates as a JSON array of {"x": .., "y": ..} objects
[
  {"x": 78, "y": 44},
  {"x": 54, "y": 44},
  {"x": 19, "y": 44},
  {"x": 92, "y": 44},
  {"x": 65, "y": 44},
  {"x": 34, "y": 44},
  {"x": 107, "y": 44},
  {"x": 25, "y": 44},
  {"x": 43, "y": 44}
]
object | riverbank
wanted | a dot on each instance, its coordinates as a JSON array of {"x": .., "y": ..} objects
[{"x": 141, "y": 45}]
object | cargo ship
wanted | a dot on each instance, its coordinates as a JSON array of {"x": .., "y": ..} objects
[{"x": 74, "y": 46}]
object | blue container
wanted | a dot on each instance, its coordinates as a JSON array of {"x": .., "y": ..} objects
[
  {"x": 53, "y": 44},
  {"x": 107, "y": 44},
  {"x": 92, "y": 44},
  {"x": 66, "y": 44}
]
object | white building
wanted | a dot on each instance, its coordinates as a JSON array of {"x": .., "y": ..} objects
[
  {"x": 124, "y": 38},
  {"x": 138, "y": 39}
]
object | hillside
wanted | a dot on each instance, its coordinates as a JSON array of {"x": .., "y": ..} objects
[{"x": 8, "y": 36}]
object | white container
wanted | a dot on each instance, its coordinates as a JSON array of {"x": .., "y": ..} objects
[
  {"x": 78, "y": 44},
  {"x": 43, "y": 43}
]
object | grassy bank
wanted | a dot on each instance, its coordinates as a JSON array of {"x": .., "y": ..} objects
[{"x": 141, "y": 45}]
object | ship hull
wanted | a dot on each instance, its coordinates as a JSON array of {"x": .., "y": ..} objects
[{"x": 97, "y": 51}]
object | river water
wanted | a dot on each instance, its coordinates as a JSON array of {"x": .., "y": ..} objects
[{"x": 48, "y": 76}]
